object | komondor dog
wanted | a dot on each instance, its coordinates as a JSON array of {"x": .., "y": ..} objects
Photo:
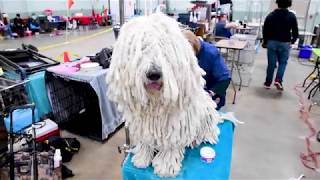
[{"x": 156, "y": 81}]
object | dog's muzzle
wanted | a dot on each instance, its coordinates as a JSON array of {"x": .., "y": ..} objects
[
  {"x": 154, "y": 79},
  {"x": 154, "y": 75}
]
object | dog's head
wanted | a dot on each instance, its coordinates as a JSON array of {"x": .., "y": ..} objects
[{"x": 152, "y": 62}]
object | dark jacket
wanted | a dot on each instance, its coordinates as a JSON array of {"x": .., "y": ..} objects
[
  {"x": 281, "y": 25},
  {"x": 18, "y": 22}
]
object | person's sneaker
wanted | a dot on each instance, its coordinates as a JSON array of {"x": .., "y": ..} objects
[
  {"x": 266, "y": 85},
  {"x": 278, "y": 85}
]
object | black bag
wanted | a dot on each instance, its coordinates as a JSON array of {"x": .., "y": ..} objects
[
  {"x": 103, "y": 57},
  {"x": 68, "y": 146}
]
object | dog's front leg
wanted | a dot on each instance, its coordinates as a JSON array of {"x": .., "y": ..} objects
[
  {"x": 143, "y": 155},
  {"x": 167, "y": 163}
]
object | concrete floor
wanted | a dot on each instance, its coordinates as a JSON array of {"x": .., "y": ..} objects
[{"x": 267, "y": 146}]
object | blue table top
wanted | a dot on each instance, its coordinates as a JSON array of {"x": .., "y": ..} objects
[{"x": 192, "y": 167}]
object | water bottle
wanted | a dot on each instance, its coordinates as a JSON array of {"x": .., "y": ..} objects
[
  {"x": 191, "y": 17},
  {"x": 57, "y": 159}
]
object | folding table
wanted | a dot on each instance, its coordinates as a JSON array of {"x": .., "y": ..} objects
[{"x": 234, "y": 45}]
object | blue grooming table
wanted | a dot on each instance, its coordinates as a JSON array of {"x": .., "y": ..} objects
[{"x": 192, "y": 167}]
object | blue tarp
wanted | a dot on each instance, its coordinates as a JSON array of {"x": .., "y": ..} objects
[{"x": 192, "y": 167}]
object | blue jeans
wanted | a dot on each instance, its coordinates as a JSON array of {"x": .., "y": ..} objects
[
  {"x": 277, "y": 52},
  {"x": 8, "y": 30}
]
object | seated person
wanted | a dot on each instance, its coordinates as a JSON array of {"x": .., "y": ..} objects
[
  {"x": 6, "y": 27},
  {"x": 217, "y": 73},
  {"x": 33, "y": 25},
  {"x": 18, "y": 25},
  {"x": 223, "y": 27}
]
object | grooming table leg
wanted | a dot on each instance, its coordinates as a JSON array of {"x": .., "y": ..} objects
[{"x": 125, "y": 147}]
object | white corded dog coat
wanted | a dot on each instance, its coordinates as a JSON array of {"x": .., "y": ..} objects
[{"x": 169, "y": 109}]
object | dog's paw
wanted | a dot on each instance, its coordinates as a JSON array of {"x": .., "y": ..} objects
[
  {"x": 211, "y": 136},
  {"x": 168, "y": 170},
  {"x": 142, "y": 156},
  {"x": 167, "y": 164},
  {"x": 141, "y": 161}
]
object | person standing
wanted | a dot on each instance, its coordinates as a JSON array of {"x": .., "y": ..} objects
[
  {"x": 223, "y": 27},
  {"x": 280, "y": 30}
]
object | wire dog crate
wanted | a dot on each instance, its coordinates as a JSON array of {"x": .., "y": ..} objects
[
  {"x": 12, "y": 94},
  {"x": 75, "y": 106}
]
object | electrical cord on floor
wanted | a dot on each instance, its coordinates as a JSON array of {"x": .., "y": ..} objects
[{"x": 310, "y": 159}]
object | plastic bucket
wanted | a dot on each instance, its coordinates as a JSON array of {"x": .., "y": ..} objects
[{"x": 305, "y": 52}]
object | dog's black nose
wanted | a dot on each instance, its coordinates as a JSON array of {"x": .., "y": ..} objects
[{"x": 154, "y": 76}]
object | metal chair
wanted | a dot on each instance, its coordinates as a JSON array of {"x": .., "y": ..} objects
[{"x": 315, "y": 88}]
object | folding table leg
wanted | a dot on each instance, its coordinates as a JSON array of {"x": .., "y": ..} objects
[
  {"x": 238, "y": 69},
  {"x": 235, "y": 92},
  {"x": 233, "y": 85}
]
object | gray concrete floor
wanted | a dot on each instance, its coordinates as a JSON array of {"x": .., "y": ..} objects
[{"x": 267, "y": 146}]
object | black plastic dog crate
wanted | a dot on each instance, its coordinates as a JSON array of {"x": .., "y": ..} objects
[
  {"x": 75, "y": 106},
  {"x": 24, "y": 62}
]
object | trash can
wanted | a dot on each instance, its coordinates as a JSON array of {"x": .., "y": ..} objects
[
  {"x": 116, "y": 30},
  {"x": 305, "y": 52}
]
